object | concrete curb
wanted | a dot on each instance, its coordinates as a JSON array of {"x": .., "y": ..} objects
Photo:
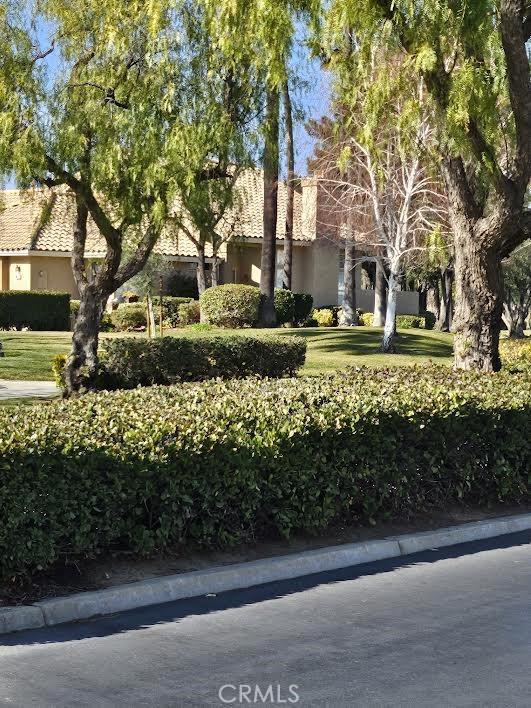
[{"x": 242, "y": 575}]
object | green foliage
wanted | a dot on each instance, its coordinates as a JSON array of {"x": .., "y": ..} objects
[
  {"x": 284, "y": 306},
  {"x": 429, "y": 319},
  {"x": 74, "y": 307},
  {"x": 189, "y": 313},
  {"x": 409, "y": 322},
  {"x": 221, "y": 463},
  {"x": 231, "y": 305},
  {"x": 133, "y": 362},
  {"x": 366, "y": 319},
  {"x": 516, "y": 354},
  {"x": 303, "y": 307},
  {"x": 130, "y": 316},
  {"x": 37, "y": 310},
  {"x": 58, "y": 370},
  {"x": 171, "y": 309}
]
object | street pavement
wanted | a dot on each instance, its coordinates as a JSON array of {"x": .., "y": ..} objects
[
  {"x": 27, "y": 389},
  {"x": 439, "y": 628}
]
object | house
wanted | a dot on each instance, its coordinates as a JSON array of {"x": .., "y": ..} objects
[{"x": 36, "y": 244}]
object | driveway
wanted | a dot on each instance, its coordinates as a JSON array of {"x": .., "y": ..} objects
[
  {"x": 440, "y": 628},
  {"x": 27, "y": 389}
]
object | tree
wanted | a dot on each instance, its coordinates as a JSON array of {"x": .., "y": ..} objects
[
  {"x": 114, "y": 123},
  {"x": 473, "y": 60},
  {"x": 264, "y": 31},
  {"x": 290, "y": 189},
  {"x": 517, "y": 298}
]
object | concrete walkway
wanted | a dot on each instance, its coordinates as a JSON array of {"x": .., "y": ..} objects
[{"x": 27, "y": 389}]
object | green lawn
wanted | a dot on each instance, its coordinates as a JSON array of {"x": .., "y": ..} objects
[{"x": 28, "y": 355}]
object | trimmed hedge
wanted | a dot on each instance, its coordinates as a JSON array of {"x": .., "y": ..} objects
[
  {"x": 38, "y": 310},
  {"x": 220, "y": 463},
  {"x": 516, "y": 354},
  {"x": 171, "y": 308},
  {"x": 324, "y": 317},
  {"x": 231, "y": 305},
  {"x": 284, "y": 306},
  {"x": 303, "y": 307},
  {"x": 130, "y": 362},
  {"x": 189, "y": 313}
]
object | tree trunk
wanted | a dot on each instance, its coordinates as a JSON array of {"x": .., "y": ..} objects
[
  {"x": 390, "y": 314},
  {"x": 380, "y": 304},
  {"x": 350, "y": 316},
  {"x": 479, "y": 298},
  {"x": 215, "y": 271},
  {"x": 82, "y": 365},
  {"x": 290, "y": 191},
  {"x": 268, "y": 316},
  {"x": 444, "y": 323},
  {"x": 201, "y": 269},
  {"x": 434, "y": 301}
]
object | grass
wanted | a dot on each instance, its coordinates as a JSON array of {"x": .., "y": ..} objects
[{"x": 28, "y": 355}]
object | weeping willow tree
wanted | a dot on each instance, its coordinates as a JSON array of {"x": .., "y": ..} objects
[
  {"x": 473, "y": 60},
  {"x": 105, "y": 106}
]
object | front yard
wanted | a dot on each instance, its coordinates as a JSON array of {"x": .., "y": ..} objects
[{"x": 28, "y": 355}]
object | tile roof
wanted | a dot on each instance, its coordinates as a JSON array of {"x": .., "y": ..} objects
[{"x": 42, "y": 220}]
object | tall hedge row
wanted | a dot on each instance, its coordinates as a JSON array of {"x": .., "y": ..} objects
[
  {"x": 36, "y": 309},
  {"x": 218, "y": 463}
]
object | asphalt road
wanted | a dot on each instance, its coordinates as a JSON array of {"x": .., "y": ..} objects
[{"x": 442, "y": 628}]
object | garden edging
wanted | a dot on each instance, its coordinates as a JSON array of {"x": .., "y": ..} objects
[{"x": 154, "y": 591}]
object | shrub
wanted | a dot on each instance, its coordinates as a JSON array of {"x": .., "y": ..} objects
[
  {"x": 429, "y": 319},
  {"x": 366, "y": 319},
  {"x": 324, "y": 317},
  {"x": 516, "y": 354},
  {"x": 133, "y": 362},
  {"x": 129, "y": 317},
  {"x": 303, "y": 305},
  {"x": 231, "y": 305},
  {"x": 37, "y": 310},
  {"x": 284, "y": 306},
  {"x": 170, "y": 309},
  {"x": 58, "y": 370},
  {"x": 409, "y": 321},
  {"x": 220, "y": 463},
  {"x": 189, "y": 313}
]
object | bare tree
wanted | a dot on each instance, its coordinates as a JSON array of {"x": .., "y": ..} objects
[{"x": 517, "y": 282}]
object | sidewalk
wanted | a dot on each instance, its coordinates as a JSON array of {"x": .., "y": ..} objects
[{"x": 27, "y": 389}]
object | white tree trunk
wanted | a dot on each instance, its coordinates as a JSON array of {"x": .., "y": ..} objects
[{"x": 390, "y": 314}]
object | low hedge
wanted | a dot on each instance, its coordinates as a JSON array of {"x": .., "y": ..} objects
[
  {"x": 38, "y": 310},
  {"x": 516, "y": 354},
  {"x": 231, "y": 305},
  {"x": 220, "y": 463},
  {"x": 324, "y": 317},
  {"x": 189, "y": 313},
  {"x": 130, "y": 362}
]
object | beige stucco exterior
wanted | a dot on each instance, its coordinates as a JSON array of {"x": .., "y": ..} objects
[{"x": 37, "y": 273}]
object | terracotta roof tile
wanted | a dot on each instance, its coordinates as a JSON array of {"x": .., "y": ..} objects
[{"x": 25, "y": 225}]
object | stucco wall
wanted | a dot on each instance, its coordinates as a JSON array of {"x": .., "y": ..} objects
[
  {"x": 53, "y": 273},
  {"x": 19, "y": 273}
]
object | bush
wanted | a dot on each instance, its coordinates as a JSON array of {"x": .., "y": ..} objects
[
  {"x": 284, "y": 306},
  {"x": 189, "y": 313},
  {"x": 409, "y": 322},
  {"x": 221, "y": 463},
  {"x": 74, "y": 307},
  {"x": 324, "y": 317},
  {"x": 516, "y": 354},
  {"x": 303, "y": 305},
  {"x": 366, "y": 319},
  {"x": 38, "y": 310},
  {"x": 129, "y": 317},
  {"x": 429, "y": 319},
  {"x": 170, "y": 309},
  {"x": 133, "y": 362},
  {"x": 231, "y": 305}
]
